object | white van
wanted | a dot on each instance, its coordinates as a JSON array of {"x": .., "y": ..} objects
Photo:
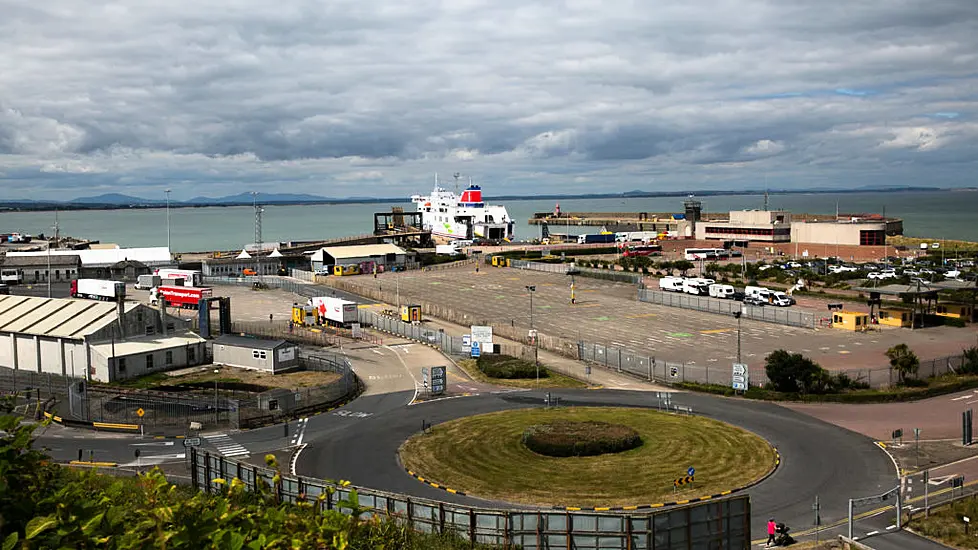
[
  {"x": 779, "y": 299},
  {"x": 695, "y": 287},
  {"x": 671, "y": 284},
  {"x": 721, "y": 291}
]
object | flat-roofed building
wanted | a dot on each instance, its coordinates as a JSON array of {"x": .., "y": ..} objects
[{"x": 767, "y": 226}]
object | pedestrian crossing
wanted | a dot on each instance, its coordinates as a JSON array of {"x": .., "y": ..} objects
[{"x": 225, "y": 445}]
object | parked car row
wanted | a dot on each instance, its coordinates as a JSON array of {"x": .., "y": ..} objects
[{"x": 699, "y": 286}]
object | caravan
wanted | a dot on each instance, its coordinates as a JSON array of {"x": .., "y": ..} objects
[
  {"x": 671, "y": 284},
  {"x": 696, "y": 287},
  {"x": 725, "y": 292}
]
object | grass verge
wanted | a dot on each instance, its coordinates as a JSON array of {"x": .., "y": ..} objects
[
  {"x": 941, "y": 385},
  {"x": 553, "y": 380},
  {"x": 483, "y": 455},
  {"x": 946, "y": 526}
]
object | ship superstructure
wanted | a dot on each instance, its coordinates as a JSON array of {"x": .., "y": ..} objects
[{"x": 451, "y": 216}]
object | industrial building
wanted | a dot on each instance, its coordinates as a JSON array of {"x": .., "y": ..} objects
[
  {"x": 778, "y": 226},
  {"x": 384, "y": 256},
  {"x": 765, "y": 226},
  {"x": 235, "y": 267},
  {"x": 273, "y": 356},
  {"x": 121, "y": 264},
  {"x": 100, "y": 341}
]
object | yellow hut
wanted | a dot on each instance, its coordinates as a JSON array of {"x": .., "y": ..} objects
[
  {"x": 957, "y": 311},
  {"x": 850, "y": 320},
  {"x": 895, "y": 317}
]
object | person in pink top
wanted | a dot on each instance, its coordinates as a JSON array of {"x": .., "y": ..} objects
[{"x": 771, "y": 530}]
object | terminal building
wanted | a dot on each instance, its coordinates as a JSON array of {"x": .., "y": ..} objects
[
  {"x": 100, "y": 341},
  {"x": 778, "y": 226},
  {"x": 384, "y": 256}
]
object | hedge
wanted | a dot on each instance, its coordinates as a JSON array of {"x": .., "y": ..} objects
[
  {"x": 564, "y": 438},
  {"x": 504, "y": 366},
  {"x": 937, "y": 386}
]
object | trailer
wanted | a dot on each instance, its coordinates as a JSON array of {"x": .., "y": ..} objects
[
  {"x": 172, "y": 277},
  {"x": 335, "y": 311},
  {"x": 183, "y": 297},
  {"x": 98, "y": 289},
  {"x": 11, "y": 277},
  {"x": 596, "y": 238}
]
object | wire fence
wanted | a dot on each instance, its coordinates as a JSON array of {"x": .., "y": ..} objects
[
  {"x": 781, "y": 316},
  {"x": 720, "y": 523},
  {"x": 564, "y": 269}
]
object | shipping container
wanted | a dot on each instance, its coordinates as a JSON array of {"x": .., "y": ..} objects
[
  {"x": 335, "y": 311},
  {"x": 146, "y": 282}
]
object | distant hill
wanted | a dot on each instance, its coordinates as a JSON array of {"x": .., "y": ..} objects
[
  {"x": 114, "y": 198},
  {"x": 264, "y": 198}
]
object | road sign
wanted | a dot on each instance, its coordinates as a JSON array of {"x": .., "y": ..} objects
[
  {"x": 674, "y": 372},
  {"x": 424, "y": 375},
  {"x": 897, "y": 434},
  {"x": 740, "y": 369},
  {"x": 466, "y": 340},
  {"x": 438, "y": 376},
  {"x": 741, "y": 377},
  {"x": 685, "y": 480},
  {"x": 191, "y": 442},
  {"x": 691, "y": 471},
  {"x": 476, "y": 349},
  {"x": 140, "y": 412}
]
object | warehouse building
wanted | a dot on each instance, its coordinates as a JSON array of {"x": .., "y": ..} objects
[
  {"x": 272, "y": 356},
  {"x": 38, "y": 269},
  {"x": 120, "y": 264},
  {"x": 853, "y": 231},
  {"x": 778, "y": 226},
  {"x": 384, "y": 256},
  {"x": 100, "y": 341}
]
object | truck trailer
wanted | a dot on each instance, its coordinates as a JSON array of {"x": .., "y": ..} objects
[
  {"x": 335, "y": 311},
  {"x": 184, "y": 297},
  {"x": 147, "y": 282},
  {"x": 596, "y": 238},
  {"x": 171, "y": 277},
  {"x": 98, "y": 289}
]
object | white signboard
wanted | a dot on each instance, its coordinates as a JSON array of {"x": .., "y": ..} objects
[
  {"x": 355, "y": 330},
  {"x": 741, "y": 377},
  {"x": 483, "y": 335},
  {"x": 286, "y": 354}
]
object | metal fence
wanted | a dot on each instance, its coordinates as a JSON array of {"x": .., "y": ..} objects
[
  {"x": 721, "y": 523},
  {"x": 563, "y": 268},
  {"x": 781, "y": 316}
]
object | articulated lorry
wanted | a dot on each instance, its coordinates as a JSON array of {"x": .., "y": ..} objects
[
  {"x": 98, "y": 289},
  {"x": 335, "y": 311},
  {"x": 184, "y": 297}
]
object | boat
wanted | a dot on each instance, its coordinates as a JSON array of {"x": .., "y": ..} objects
[{"x": 467, "y": 217}]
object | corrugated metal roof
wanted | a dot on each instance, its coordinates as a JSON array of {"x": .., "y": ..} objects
[
  {"x": 56, "y": 317},
  {"x": 362, "y": 250},
  {"x": 248, "y": 342},
  {"x": 144, "y": 344}
]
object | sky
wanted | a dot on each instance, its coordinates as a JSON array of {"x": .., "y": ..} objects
[{"x": 367, "y": 98}]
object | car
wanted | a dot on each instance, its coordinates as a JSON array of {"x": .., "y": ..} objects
[
  {"x": 794, "y": 265},
  {"x": 754, "y": 301},
  {"x": 880, "y": 275},
  {"x": 738, "y": 295},
  {"x": 953, "y": 274},
  {"x": 764, "y": 267},
  {"x": 322, "y": 272}
]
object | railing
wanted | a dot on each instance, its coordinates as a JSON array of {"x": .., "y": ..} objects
[
  {"x": 781, "y": 316},
  {"x": 721, "y": 523},
  {"x": 562, "y": 268}
]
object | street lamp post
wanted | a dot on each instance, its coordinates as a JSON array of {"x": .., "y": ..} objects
[
  {"x": 217, "y": 413},
  {"x": 531, "y": 289},
  {"x": 738, "y": 314},
  {"x": 167, "y": 193}
]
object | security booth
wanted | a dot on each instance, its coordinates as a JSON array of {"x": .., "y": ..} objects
[
  {"x": 850, "y": 320},
  {"x": 246, "y": 352},
  {"x": 894, "y": 317},
  {"x": 955, "y": 311},
  {"x": 411, "y": 314}
]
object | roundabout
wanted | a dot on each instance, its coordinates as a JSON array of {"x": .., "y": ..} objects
[{"x": 638, "y": 456}]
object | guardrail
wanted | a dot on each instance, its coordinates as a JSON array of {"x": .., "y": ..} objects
[
  {"x": 781, "y": 316},
  {"x": 720, "y": 523}
]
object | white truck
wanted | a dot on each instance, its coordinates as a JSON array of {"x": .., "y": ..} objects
[
  {"x": 10, "y": 277},
  {"x": 446, "y": 249},
  {"x": 633, "y": 236},
  {"x": 725, "y": 292},
  {"x": 147, "y": 282},
  {"x": 671, "y": 284},
  {"x": 335, "y": 311},
  {"x": 98, "y": 289}
]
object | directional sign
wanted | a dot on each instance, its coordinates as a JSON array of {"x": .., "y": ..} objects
[
  {"x": 741, "y": 377},
  {"x": 476, "y": 349},
  {"x": 438, "y": 376},
  {"x": 424, "y": 375},
  {"x": 140, "y": 412},
  {"x": 690, "y": 471},
  {"x": 674, "y": 372},
  {"x": 466, "y": 340},
  {"x": 740, "y": 369},
  {"x": 191, "y": 442}
]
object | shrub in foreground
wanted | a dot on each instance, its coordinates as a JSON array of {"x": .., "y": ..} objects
[
  {"x": 504, "y": 366},
  {"x": 564, "y": 438}
]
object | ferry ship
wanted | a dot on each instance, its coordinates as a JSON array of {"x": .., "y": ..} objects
[{"x": 466, "y": 217}]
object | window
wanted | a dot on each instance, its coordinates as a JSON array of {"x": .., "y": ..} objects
[
  {"x": 150, "y": 329},
  {"x": 121, "y": 362},
  {"x": 149, "y": 362},
  {"x": 875, "y": 237},
  {"x": 169, "y": 358},
  {"x": 262, "y": 354},
  {"x": 254, "y": 354},
  {"x": 139, "y": 315},
  {"x": 170, "y": 327}
]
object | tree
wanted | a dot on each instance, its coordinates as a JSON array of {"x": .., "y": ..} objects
[
  {"x": 713, "y": 267},
  {"x": 970, "y": 364},
  {"x": 793, "y": 373},
  {"x": 683, "y": 266},
  {"x": 904, "y": 361}
]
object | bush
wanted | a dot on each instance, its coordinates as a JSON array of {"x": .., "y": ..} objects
[
  {"x": 792, "y": 373},
  {"x": 510, "y": 368},
  {"x": 904, "y": 361},
  {"x": 970, "y": 365},
  {"x": 564, "y": 438}
]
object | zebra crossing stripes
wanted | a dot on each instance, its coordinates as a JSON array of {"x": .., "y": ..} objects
[{"x": 225, "y": 445}]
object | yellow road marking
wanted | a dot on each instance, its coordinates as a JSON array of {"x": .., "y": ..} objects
[
  {"x": 716, "y": 331},
  {"x": 641, "y": 316}
]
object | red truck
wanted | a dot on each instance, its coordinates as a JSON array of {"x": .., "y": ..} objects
[{"x": 186, "y": 297}]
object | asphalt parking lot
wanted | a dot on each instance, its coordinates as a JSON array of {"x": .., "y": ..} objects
[{"x": 609, "y": 313}]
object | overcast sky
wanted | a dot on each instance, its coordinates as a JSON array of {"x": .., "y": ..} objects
[{"x": 371, "y": 98}]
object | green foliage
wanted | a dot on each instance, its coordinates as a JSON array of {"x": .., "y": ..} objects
[
  {"x": 794, "y": 373},
  {"x": 47, "y": 506},
  {"x": 564, "y": 438},
  {"x": 970, "y": 364},
  {"x": 504, "y": 366},
  {"x": 683, "y": 266},
  {"x": 904, "y": 361}
]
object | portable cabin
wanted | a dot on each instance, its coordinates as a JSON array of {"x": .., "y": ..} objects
[
  {"x": 850, "y": 320},
  {"x": 411, "y": 314},
  {"x": 956, "y": 311},
  {"x": 895, "y": 317}
]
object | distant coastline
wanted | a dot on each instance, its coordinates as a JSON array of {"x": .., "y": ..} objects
[{"x": 41, "y": 206}]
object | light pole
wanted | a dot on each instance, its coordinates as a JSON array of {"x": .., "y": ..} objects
[
  {"x": 531, "y": 289},
  {"x": 216, "y": 410},
  {"x": 572, "y": 272},
  {"x": 737, "y": 314},
  {"x": 167, "y": 193}
]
